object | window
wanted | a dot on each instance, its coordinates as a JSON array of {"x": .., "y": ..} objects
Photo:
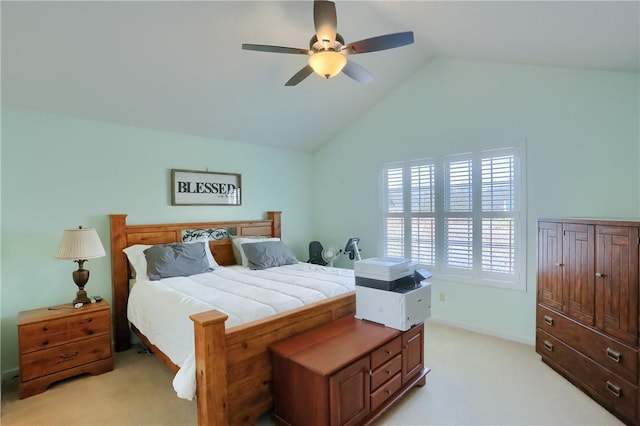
[{"x": 458, "y": 215}]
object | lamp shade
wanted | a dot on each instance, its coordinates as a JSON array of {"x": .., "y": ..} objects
[
  {"x": 81, "y": 243},
  {"x": 327, "y": 63}
]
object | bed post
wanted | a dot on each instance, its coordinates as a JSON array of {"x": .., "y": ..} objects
[
  {"x": 119, "y": 282},
  {"x": 276, "y": 228},
  {"x": 211, "y": 368}
]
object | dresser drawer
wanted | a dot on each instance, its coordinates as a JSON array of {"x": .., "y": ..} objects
[
  {"x": 607, "y": 388},
  {"x": 47, "y": 361},
  {"x": 386, "y": 371},
  {"x": 81, "y": 326},
  {"x": 611, "y": 354},
  {"x": 385, "y": 391},
  {"x": 385, "y": 352}
]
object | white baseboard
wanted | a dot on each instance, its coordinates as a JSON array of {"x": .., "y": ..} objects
[{"x": 519, "y": 339}]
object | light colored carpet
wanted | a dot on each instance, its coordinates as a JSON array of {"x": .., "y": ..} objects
[{"x": 475, "y": 380}]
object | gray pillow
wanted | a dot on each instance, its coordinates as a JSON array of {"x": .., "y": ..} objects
[
  {"x": 176, "y": 260},
  {"x": 267, "y": 254}
]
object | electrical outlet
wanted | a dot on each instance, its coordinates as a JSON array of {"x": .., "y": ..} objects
[{"x": 442, "y": 297}]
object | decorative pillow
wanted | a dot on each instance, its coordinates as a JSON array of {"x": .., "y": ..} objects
[
  {"x": 267, "y": 254},
  {"x": 176, "y": 260},
  {"x": 238, "y": 252},
  {"x": 138, "y": 262}
]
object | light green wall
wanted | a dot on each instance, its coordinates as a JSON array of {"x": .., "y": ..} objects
[
  {"x": 583, "y": 147},
  {"x": 60, "y": 172},
  {"x": 582, "y": 139}
]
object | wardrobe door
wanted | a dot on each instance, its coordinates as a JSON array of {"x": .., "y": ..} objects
[
  {"x": 578, "y": 247},
  {"x": 617, "y": 282},
  {"x": 550, "y": 289}
]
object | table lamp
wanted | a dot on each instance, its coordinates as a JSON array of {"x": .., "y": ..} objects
[{"x": 79, "y": 245}]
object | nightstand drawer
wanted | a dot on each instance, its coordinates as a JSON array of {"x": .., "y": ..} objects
[
  {"x": 42, "y": 335},
  {"x": 89, "y": 324},
  {"x": 47, "y": 361}
]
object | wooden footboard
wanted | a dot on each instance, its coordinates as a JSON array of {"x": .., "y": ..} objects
[{"x": 233, "y": 369}]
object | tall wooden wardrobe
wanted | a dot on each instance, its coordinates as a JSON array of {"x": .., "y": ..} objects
[{"x": 587, "y": 310}]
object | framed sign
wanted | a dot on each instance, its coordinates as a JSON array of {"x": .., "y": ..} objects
[{"x": 191, "y": 188}]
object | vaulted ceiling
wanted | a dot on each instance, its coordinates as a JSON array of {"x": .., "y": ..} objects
[{"x": 178, "y": 65}]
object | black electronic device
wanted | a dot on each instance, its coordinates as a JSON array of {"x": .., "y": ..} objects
[
  {"x": 403, "y": 282},
  {"x": 351, "y": 248},
  {"x": 97, "y": 298}
]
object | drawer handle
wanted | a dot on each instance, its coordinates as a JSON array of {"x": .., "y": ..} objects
[
  {"x": 388, "y": 391},
  {"x": 45, "y": 342},
  {"x": 613, "y": 355},
  {"x": 600, "y": 275},
  {"x": 548, "y": 320},
  {"x": 560, "y": 264},
  {"x": 548, "y": 345},
  {"x": 89, "y": 319},
  {"x": 45, "y": 328},
  {"x": 66, "y": 357},
  {"x": 89, "y": 332},
  {"x": 389, "y": 372},
  {"x": 613, "y": 389}
]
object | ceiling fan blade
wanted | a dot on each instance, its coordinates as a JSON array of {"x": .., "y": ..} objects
[
  {"x": 358, "y": 73},
  {"x": 325, "y": 21},
  {"x": 299, "y": 76},
  {"x": 383, "y": 42},
  {"x": 276, "y": 49}
]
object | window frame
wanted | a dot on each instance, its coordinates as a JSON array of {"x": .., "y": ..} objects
[{"x": 474, "y": 275}]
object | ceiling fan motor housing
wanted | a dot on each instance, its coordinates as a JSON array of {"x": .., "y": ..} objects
[{"x": 319, "y": 45}]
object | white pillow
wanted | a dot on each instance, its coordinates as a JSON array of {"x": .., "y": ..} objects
[
  {"x": 138, "y": 261},
  {"x": 238, "y": 252}
]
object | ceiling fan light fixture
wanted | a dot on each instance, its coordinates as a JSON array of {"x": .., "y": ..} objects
[{"x": 327, "y": 63}]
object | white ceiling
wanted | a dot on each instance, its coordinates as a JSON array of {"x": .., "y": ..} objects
[{"x": 178, "y": 65}]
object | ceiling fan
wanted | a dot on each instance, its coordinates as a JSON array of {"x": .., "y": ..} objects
[{"x": 328, "y": 51}]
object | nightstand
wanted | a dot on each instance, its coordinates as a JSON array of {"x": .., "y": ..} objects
[{"x": 61, "y": 341}]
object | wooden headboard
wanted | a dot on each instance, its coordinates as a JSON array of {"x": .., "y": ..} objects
[{"x": 123, "y": 235}]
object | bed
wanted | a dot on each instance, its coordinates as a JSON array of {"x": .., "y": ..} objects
[{"x": 232, "y": 363}]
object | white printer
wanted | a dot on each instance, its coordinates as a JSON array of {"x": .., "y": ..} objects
[{"x": 389, "y": 291}]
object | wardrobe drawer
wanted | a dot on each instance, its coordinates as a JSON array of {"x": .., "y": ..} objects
[
  {"x": 385, "y": 352},
  {"x": 607, "y": 388},
  {"x": 611, "y": 354}
]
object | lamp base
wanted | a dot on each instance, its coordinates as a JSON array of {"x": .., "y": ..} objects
[
  {"x": 81, "y": 297},
  {"x": 80, "y": 277}
]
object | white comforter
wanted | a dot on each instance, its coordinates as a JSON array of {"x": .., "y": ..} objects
[{"x": 161, "y": 309}]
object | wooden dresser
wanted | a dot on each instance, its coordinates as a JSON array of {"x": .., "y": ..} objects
[
  {"x": 60, "y": 342},
  {"x": 347, "y": 372},
  {"x": 587, "y": 312}
]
